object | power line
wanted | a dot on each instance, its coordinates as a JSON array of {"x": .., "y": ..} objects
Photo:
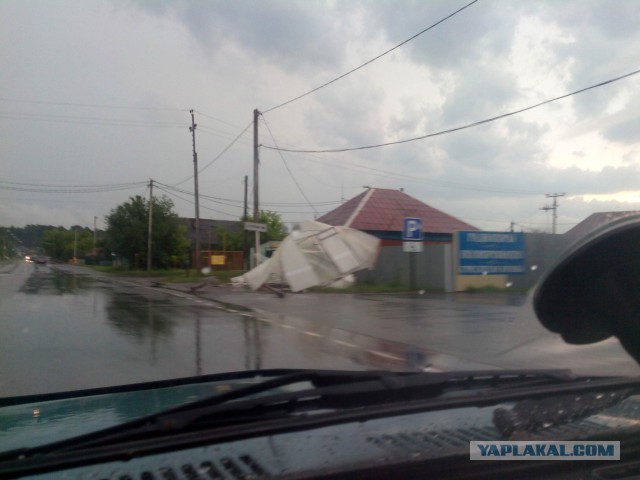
[
  {"x": 192, "y": 202},
  {"x": 451, "y": 130},
  {"x": 73, "y": 186},
  {"x": 214, "y": 132},
  {"x": 89, "y": 105},
  {"x": 288, "y": 169},
  {"x": 41, "y": 188},
  {"x": 219, "y": 155},
  {"x": 216, "y": 119},
  {"x": 369, "y": 61},
  {"x": 79, "y": 120},
  {"x": 238, "y": 203}
]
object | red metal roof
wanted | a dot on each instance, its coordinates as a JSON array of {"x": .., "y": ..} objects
[{"x": 382, "y": 209}]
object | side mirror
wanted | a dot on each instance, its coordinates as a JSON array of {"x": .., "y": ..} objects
[{"x": 593, "y": 291}]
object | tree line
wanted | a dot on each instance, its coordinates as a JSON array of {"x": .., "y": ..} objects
[{"x": 125, "y": 236}]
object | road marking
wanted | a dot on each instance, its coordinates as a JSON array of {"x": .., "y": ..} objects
[
  {"x": 312, "y": 334},
  {"x": 385, "y": 355},
  {"x": 346, "y": 344}
]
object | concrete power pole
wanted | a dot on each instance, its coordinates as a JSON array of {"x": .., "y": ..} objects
[
  {"x": 95, "y": 236},
  {"x": 245, "y": 217},
  {"x": 149, "y": 230},
  {"x": 256, "y": 162},
  {"x": 553, "y": 208},
  {"x": 192, "y": 129}
]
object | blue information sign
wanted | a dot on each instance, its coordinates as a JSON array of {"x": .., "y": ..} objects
[
  {"x": 412, "y": 229},
  {"x": 491, "y": 253}
]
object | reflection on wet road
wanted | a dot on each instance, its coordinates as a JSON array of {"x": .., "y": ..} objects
[{"x": 66, "y": 331}]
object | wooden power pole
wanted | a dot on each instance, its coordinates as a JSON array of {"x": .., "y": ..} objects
[
  {"x": 192, "y": 129},
  {"x": 256, "y": 163},
  {"x": 150, "y": 228}
]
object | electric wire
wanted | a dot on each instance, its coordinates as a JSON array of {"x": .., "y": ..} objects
[
  {"x": 239, "y": 203},
  {"x": 192, "y": 202},
  {"x": 288, "y": 169},
  {"x": 451, "y": 130},
  {"x": 49, "y": 188},
  {"x": 217, "y": 156},
  {"x": 90, "y": 105},
  {"x": 73, "y": 186},
  {"x": 221, "y": 201},
  {"x": 213, "y": 132},
  {"x": 80, "y": 120},
  {"x": 369, "y": 61},
  {"x": 199, "y": 112}
]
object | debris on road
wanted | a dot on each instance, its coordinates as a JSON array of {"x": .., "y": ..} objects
[{"x": 317, "y": 255}]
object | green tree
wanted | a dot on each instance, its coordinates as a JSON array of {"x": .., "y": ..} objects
[
  {"x": 275, "y": 228},
  {"x": 60, "y": 243},
  {"x": 127, "y": 227},
  {"x": 7, "y": 243}
]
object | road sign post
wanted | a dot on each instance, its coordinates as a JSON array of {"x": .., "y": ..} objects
[
  {"x": 255, "y": 227},
  {"x": 412, "y": 243}
]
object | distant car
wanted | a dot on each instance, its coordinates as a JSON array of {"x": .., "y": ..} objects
[{"x": 41, "y": 259}]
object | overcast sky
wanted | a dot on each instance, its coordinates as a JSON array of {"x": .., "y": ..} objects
[{"x": 99, "y": 92}]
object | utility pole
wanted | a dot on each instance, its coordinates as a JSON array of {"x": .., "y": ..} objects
[
  {"x": 256, "y": 162},
  {"x": 149, "y": 230},
  {"x": 245, "y": 217},
  {"x": 95, "y": 234},
  {"x": 192, "y": 129},
  {"x": 554, "y": 208}
]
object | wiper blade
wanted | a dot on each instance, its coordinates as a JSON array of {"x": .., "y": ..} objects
[
  {"x": 329, "y": 390},
  {"x": 363, "y": 396}
]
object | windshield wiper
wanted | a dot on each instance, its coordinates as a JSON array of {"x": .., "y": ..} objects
[
  {"x": 329, "y": 390},
  {"x": 334, "y": 397}
]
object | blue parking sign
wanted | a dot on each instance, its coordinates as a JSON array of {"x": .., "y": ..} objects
[{"x": 412, "y": 229}]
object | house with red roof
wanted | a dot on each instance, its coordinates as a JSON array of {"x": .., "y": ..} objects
[{"x": 380, "y": 212}]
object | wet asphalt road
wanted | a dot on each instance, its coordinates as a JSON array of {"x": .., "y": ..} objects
[{"x": 66, "y": 328}]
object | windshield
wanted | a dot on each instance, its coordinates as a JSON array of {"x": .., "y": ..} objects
[{"x": 192, "y": 188}]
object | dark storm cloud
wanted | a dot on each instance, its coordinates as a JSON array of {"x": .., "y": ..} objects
[
  {"x": 292, "y": 34},
  {"x": 480, "y": 30}
]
